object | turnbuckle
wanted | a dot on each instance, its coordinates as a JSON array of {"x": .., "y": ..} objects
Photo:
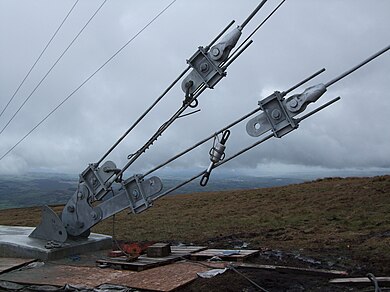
[{"x": 217, "y": 153}]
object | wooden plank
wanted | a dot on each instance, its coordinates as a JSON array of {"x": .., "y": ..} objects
[
  {"x": 241, "y": 255},
  {"x": 309, "y": 271},
  {"x": 359, "y": 280},
  {"x": 187, "y": 248},
  {"x": 221, "y": 252},
  {"x": 144, "y": 262}
]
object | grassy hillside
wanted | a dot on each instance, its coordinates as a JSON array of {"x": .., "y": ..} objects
[
  {"x": 36, "y": 189},
  {"x": 346, "y": 219}
]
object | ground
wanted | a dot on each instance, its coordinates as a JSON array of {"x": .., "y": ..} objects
[{"x": 332, "y": 223}]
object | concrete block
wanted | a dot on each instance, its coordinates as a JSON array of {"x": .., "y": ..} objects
[
  {"x": 15, "y": 242},
  {"x": 158, "y": 250}
]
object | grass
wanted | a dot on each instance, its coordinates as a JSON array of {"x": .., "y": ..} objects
[{"x": 349, "y": 217}]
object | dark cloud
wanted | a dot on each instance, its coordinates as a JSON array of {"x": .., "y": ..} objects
[{"x": 301, "y": 38}]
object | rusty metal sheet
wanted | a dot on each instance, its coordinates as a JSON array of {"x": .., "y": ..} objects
[
  {"x": 60, "y": 275},
  {"x": 7, "y": 264},
  {"x": 164, "y": 278}
]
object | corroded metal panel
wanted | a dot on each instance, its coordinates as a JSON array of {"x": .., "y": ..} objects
[
  {"x": 60, "y": 275},
  {"x": 165, "y": 278},
  {"x": 7, "y": 264}
]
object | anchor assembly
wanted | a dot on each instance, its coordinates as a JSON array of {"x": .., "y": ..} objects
[
  {"x": 280, "y": 114},
  {"x": 209, "y": 65}
]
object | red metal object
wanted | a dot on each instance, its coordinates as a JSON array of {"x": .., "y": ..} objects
[{"x": 133, "y": 249}]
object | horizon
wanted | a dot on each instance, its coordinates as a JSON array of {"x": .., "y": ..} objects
[
  {"x": 38, "y": 189},
  {"x": 293, "y": 171}
]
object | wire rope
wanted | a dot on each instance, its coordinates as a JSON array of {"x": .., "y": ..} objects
[
  {"x": 52, "y": 67},
  {"x": 39, "y": 57},
  {"x": 86, "y": 80}
]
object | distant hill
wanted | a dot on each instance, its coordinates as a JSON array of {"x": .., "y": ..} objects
[
  {"x": 38, "y": 189},
  {"x": 35, "y": 189}
]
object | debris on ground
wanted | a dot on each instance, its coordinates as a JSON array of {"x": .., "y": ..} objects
[{"x": 295, "y": 272}]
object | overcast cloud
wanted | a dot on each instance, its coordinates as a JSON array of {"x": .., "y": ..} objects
[{"x": 301, "y": 38}]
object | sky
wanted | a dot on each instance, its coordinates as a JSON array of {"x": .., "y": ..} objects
[{"x": 302, "y": 37}]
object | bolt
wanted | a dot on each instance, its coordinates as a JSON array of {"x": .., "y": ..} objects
[
  {"x": 80, "y": 224},
  {"x": 80, "y": 195},
  {"x": 215, "y": 52},
  {"x": 94, "y": 215},
  {"x": 94, "y": 181},
  {"x": 70, "y": 208},
  {"x": 135, "y": 193},
  {"x": 204, "y": 67},
  {"x": 293, "y": 103},
  {"x": 276, "y": 114},
  {"x": 189, "y": 84}
]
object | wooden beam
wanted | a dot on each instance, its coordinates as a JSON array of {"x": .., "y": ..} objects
[
  {"x": 359, "y": 280},
  {"x": 320, "y": 272}
]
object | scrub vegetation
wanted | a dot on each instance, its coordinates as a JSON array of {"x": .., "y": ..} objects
[{"x": 344, "y": 220}]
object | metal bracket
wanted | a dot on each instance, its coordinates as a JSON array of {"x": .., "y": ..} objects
[
  {"x": 50, "y": 228},
  {"x": 220, "y": 52},
  {"x": 297, "y": 103},
  {"x": 78, "y": 215},
  {"x": 206, "y": 64},
  {"x": 274, "y": 117},
  {"x": 95, "y": 178},
  {"x": 140, "y": 192},
  {"x": 205, "y": 71},
  {"x": 278, "y": 112}
]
